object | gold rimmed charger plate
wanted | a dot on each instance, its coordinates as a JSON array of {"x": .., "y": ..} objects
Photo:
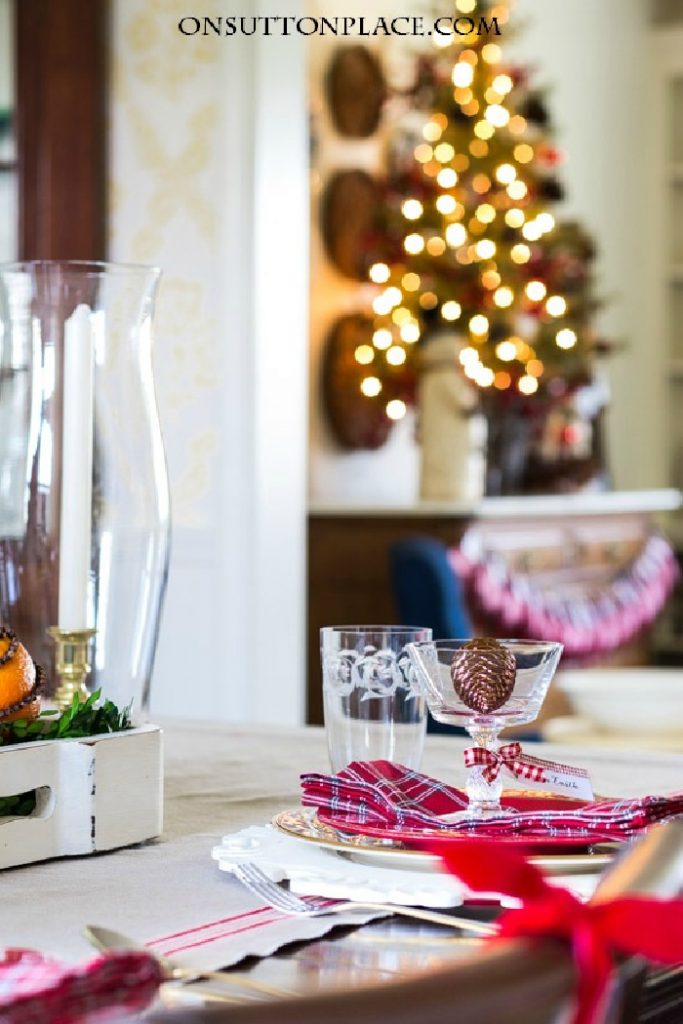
[{"x": 305, "y": 826}]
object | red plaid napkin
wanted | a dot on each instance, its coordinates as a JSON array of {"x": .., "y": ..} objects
[
  {"x": 381, "y": 794},
  {"x": 39, "y": 990}
]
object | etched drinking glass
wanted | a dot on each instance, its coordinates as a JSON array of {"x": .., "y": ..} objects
[{"x": 373, "y": 708}]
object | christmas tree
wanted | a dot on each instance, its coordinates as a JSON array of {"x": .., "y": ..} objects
[{"x": 467, "y": 240}]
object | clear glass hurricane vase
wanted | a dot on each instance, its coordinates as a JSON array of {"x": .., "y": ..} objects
[{"x": 124, "y": 530}]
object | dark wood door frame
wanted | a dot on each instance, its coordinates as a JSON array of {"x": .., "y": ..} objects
[{"x": 61, "y": 61}]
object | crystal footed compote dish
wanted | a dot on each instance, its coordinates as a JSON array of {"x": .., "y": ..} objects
[{"x": 484, "y": 686}]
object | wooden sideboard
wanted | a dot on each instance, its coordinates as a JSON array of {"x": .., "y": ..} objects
[{"x": 348, "y": 552}]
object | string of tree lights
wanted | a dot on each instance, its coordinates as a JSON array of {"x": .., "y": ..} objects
[{"x": 466, "y": 239}]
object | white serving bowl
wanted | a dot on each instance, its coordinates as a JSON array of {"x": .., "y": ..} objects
[{"x": 645, "y": 700}]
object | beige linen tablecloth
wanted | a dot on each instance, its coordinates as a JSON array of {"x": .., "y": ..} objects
[{"x": 220, "y": 779}]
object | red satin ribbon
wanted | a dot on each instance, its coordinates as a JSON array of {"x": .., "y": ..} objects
[
  {"x": 508, "y": 756},
  {"x": 637, "y": 926}
]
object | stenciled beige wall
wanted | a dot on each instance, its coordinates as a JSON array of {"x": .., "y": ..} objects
[
  {"x": 165, "y": 159},
  {"x": 207, "y": 165}
]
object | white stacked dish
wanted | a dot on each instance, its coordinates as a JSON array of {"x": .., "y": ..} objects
[{"x": 646, "y": 701}]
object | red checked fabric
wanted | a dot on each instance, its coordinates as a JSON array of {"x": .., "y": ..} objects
[
  {"x": 508, "y": 756},
  {"x": 403, "y": 801},
  {"x": 39, "y": 990}
]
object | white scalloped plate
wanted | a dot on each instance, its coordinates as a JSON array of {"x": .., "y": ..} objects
[{"x": 312, "y": 870}]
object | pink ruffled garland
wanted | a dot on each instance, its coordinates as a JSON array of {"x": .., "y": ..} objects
[{"x": 585, "y": 624}]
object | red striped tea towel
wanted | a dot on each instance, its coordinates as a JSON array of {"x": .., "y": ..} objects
[{"x": 260, "y": 931}]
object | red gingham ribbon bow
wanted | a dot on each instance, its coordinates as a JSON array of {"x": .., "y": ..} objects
[
  {"x": 634, "y": 925},
  {"x": 508, "y": 756}
]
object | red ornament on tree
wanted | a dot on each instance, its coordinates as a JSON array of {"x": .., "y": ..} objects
[{"x": 549, "y": 156}]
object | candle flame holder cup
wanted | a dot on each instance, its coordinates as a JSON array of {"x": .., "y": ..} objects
[
  {"x": 438, "y": 668},
  {"x": 84, "y": 506}
]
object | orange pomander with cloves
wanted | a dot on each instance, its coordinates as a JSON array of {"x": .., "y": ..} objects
[{"x": 20, "y": 680}]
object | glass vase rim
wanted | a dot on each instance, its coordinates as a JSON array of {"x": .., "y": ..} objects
[
  {"x": 376, "y": 628},
  {"x": 457, "y": 643},
  {"x": 85, "y": 266}
]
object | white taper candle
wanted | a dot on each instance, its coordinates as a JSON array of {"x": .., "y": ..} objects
[{"x": 77, "y": 468}]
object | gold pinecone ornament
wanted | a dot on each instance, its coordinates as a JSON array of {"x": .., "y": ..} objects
[{"x": 483, "y": 673}]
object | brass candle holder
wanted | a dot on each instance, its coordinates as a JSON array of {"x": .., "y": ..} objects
[{"x": 72, "y": 663}]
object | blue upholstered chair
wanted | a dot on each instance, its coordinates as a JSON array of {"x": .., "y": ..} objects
[{"x": 427, "y": 592}]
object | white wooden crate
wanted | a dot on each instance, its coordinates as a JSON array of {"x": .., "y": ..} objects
[{"x": 94, "y": 794}]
